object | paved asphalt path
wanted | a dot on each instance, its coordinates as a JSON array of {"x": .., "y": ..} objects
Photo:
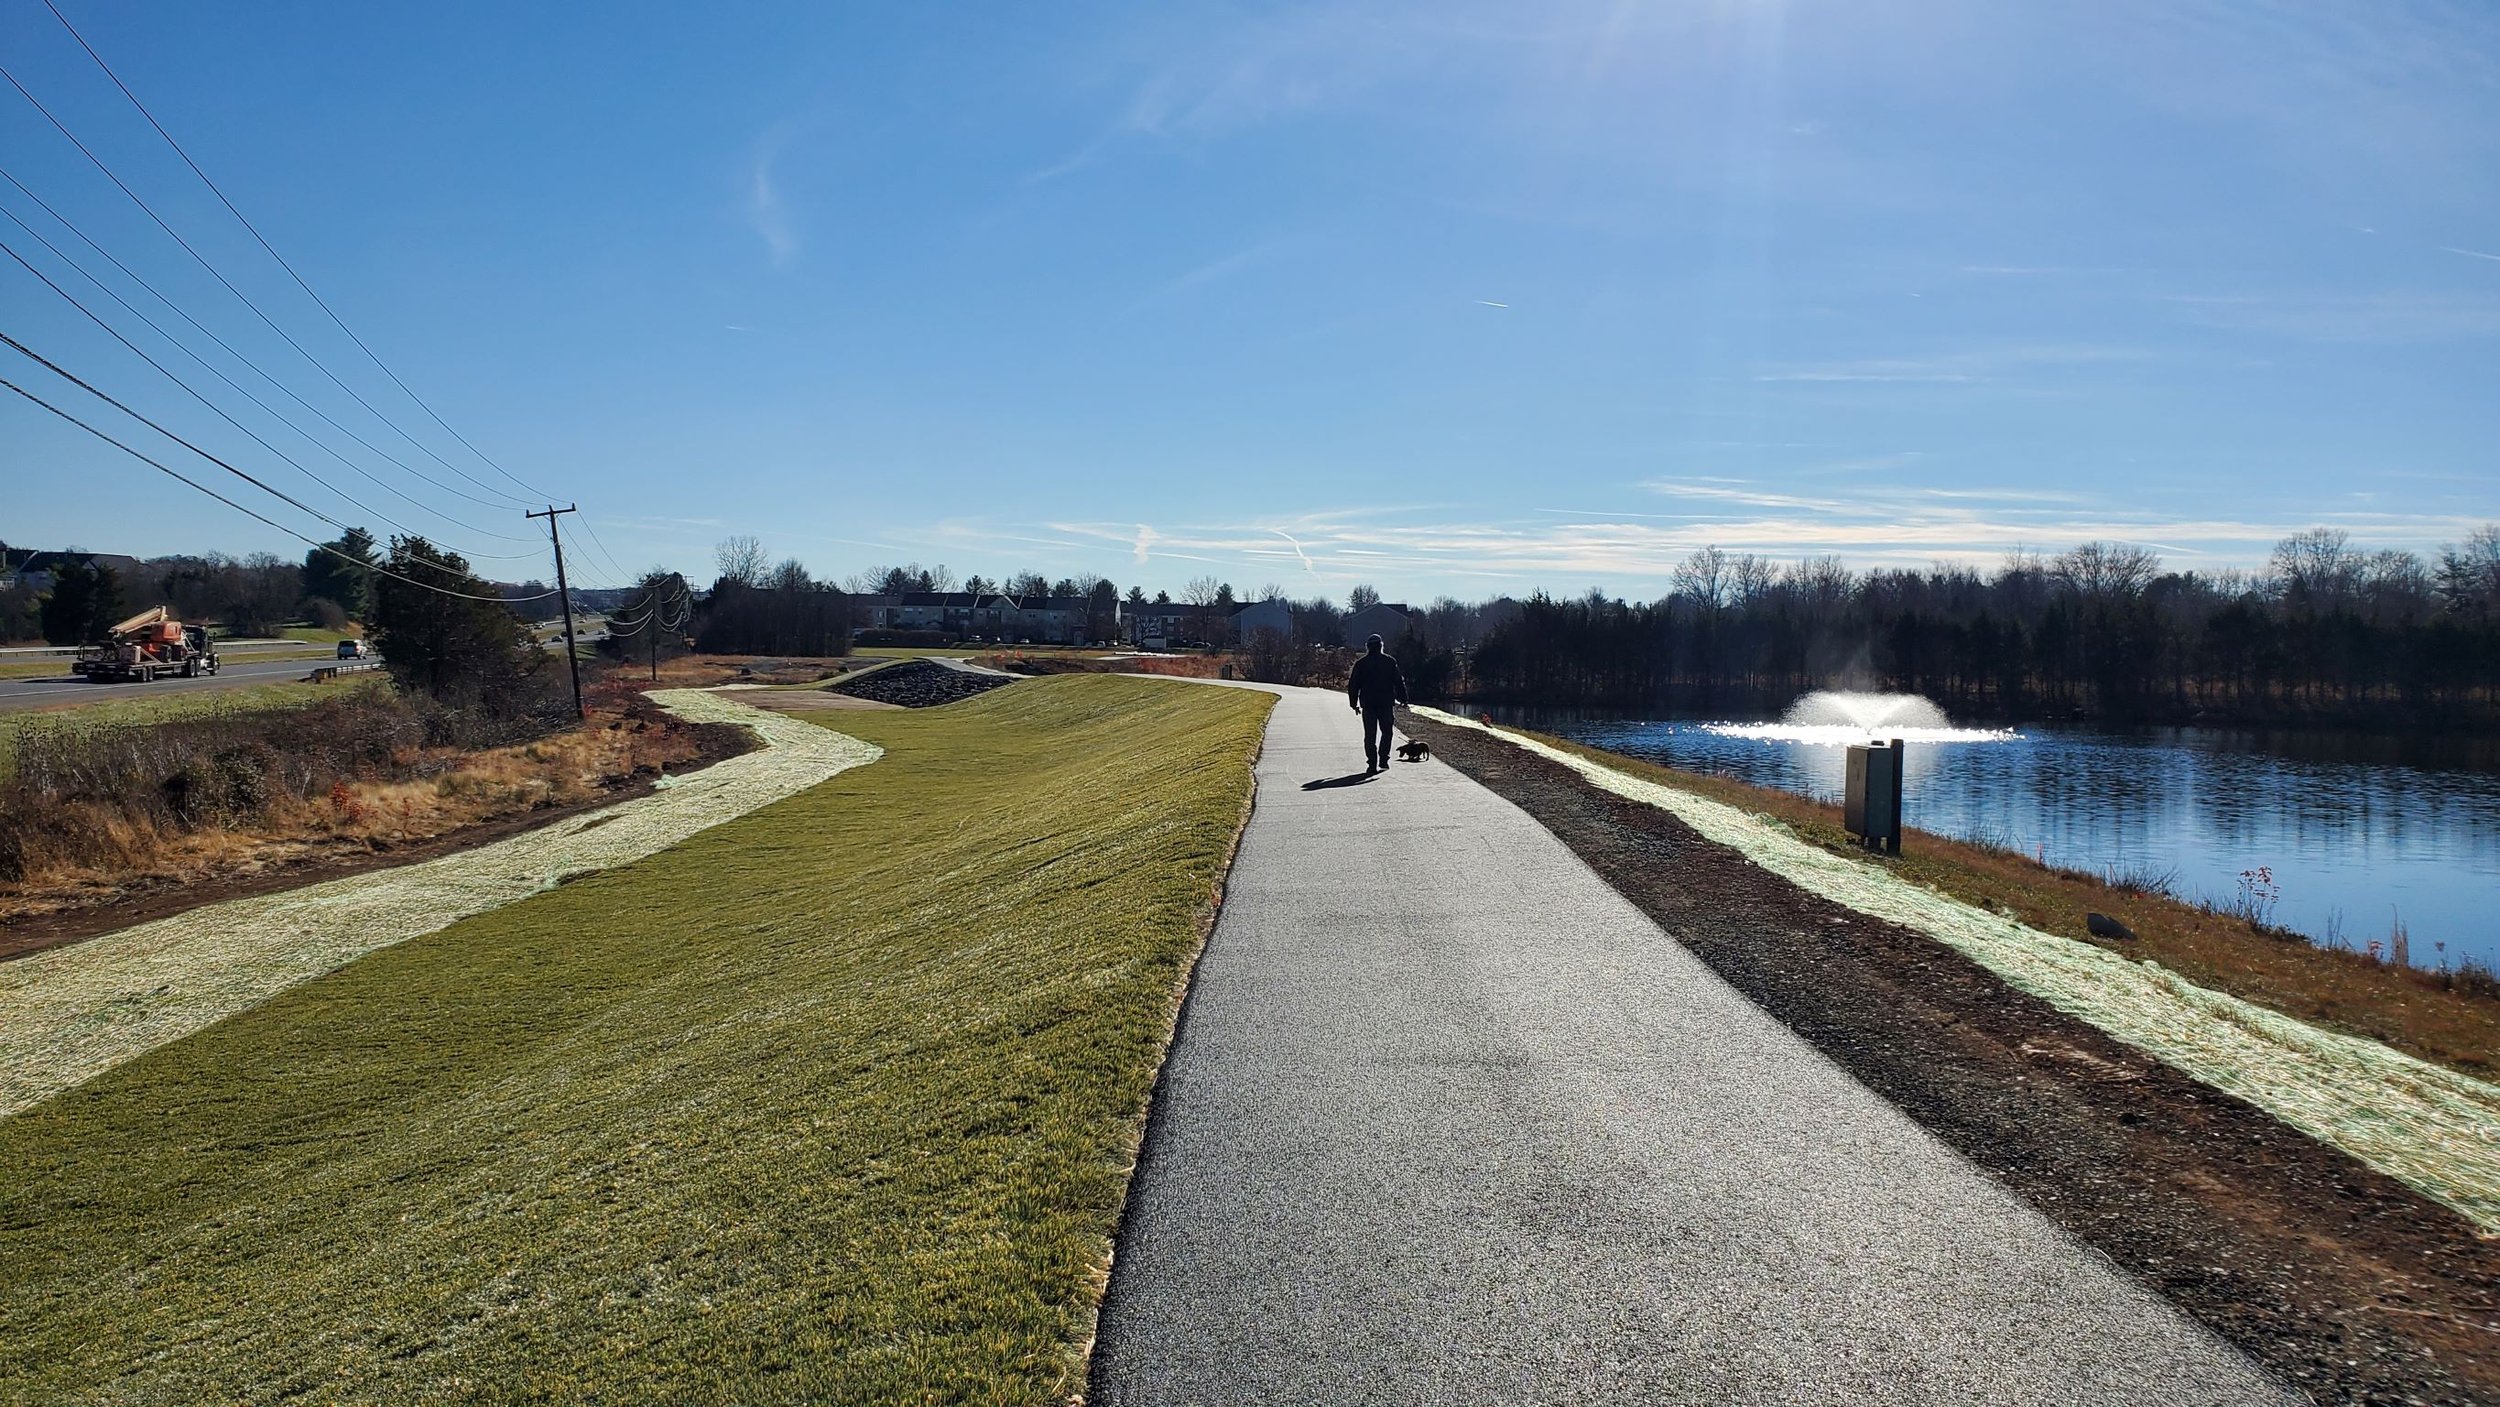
[
  {"x": 1448, "y": 1120},
  {"x": 67, "y": 688}
]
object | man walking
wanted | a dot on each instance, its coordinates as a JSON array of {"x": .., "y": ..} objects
[{"x": 1374, "y": 689}]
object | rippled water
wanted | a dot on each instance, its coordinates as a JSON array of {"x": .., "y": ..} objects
[{"x": 2360, "y": 831}]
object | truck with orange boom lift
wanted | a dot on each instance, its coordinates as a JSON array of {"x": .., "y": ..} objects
[{"x": 147, "y": 645}]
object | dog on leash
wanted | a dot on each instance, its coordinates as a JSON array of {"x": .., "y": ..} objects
[{"x": 1415, "y": 750}]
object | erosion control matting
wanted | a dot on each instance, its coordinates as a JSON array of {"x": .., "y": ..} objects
[
  {"x": 72, "y": 1013},
  {"x": 2343, "y": 1280}
]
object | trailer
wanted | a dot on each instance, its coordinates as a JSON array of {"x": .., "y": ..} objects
[{"x": 148, "y": 646}]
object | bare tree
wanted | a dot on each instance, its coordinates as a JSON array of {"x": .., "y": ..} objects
[
  {"x": 1362, "y": 598},
  {"x": 2469, "y": 572},
  {"x": 2395, "y": 587},
  {"x": 791, "y": 575},
  {"x": 2317, "y": 568},
  {"x": 1272, "y": 591},
  {"x": 1202, "y": 591},
  {"x": 740, "y": 560},
  {"x": 1752, "y": 576},
  {"x": 2102, "y": 572},
  {"x": 1821, "y": 584},
  {"x": 1704, "y": 578}
]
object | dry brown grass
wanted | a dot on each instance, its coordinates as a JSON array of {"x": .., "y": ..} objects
[
  {"x": 104, "y": 850},
  {"x": 2440, "y": 1019}
]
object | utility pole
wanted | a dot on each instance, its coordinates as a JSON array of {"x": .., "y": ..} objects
[{"x": 564, "y": 593}]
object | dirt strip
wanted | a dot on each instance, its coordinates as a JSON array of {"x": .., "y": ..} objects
[{"x": 2344, "y": 1281}]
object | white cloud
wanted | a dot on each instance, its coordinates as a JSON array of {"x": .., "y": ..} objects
[
  {"x": 2374, "y": 318},
  {"x": 1953, "y": 368},
  {"x": 1418, "y": 552},
  {"x": 766, "y": 212}
]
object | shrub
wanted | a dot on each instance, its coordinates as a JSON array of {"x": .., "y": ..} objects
[{"x": 99, "y": 795}]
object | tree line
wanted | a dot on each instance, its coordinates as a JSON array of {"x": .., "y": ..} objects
[{"x": 2327, "y": 630}]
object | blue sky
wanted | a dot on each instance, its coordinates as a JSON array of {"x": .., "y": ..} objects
[{"x": 1441, "y": 296}]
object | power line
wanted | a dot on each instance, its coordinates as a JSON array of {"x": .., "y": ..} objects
[
  {"x": 613, "y": 565},
  {"x": 242, "y": 391},
  {"x": 257, "y": 517},
  {"x": 309, "y": 291},
  {"x": 281, "y": 259},
  {"x": 220, "y": 411},
  {"x": 74, "y": 379},
  {"x": 213, "y": 272},
  {"x": 211, "y": 334}
]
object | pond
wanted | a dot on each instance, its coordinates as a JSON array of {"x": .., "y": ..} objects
[{"x": 2359, "y": 836}]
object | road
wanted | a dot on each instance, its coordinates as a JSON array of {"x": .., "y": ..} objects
[
  {"x": 236, "y": 670},
  {"x": 18, "y": 695},
  {"x": 1449, "y": 1120}
]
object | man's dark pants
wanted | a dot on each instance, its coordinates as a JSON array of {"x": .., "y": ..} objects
[{"x": 1378, "y": 723}]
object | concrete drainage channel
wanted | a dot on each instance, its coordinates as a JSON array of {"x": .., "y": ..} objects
[
  {"x": 2431, "y": 1128},
  {"x": 72, "y": 1013}
]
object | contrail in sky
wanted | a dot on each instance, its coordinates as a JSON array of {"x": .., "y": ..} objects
[
  {"x": 1487, "y": 302},
  {"x": 1297, "y": 550},
  {"x": 2471, "y": 253}
]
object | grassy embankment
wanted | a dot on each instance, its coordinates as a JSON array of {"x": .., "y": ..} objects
[
  {"x": 834, "y": 1103},
  {"x": 36, "y": 667},
  {"x": 2452, "y": 1022}
]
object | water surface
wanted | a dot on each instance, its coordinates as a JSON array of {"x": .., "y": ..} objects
[{"x": 2360, "y": 832}]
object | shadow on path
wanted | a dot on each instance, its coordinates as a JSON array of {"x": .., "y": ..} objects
[{"x": 1350, "y": 779}]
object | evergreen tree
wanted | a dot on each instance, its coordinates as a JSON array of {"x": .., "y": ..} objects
[
  {"x": 338, "y": 577},
  {"x": 85, "y": 601},
  {"x": 444, "y": 643}
]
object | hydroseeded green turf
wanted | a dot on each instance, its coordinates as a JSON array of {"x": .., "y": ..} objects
[{"x": 834, "y": 1103}]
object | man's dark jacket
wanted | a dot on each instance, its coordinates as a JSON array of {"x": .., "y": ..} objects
[{"x": 1376, "y": 685}]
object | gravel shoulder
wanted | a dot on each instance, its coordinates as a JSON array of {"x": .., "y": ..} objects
[{"x": 2338, "y": 1278}]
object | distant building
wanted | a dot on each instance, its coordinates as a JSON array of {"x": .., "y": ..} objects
[
  {"x": 1249, "y": 620},
  {"x": 1156, "y": 625},
  {"x": 983, "y": 615},
  {"x": 34, "y": 571},
  {"x": 1386, "y": 620}
]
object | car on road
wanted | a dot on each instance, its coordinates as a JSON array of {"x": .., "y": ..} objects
[{"x": 355, "y": 650}]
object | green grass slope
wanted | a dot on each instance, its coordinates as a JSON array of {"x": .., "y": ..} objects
[{"x": 830, "y": 1104}]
